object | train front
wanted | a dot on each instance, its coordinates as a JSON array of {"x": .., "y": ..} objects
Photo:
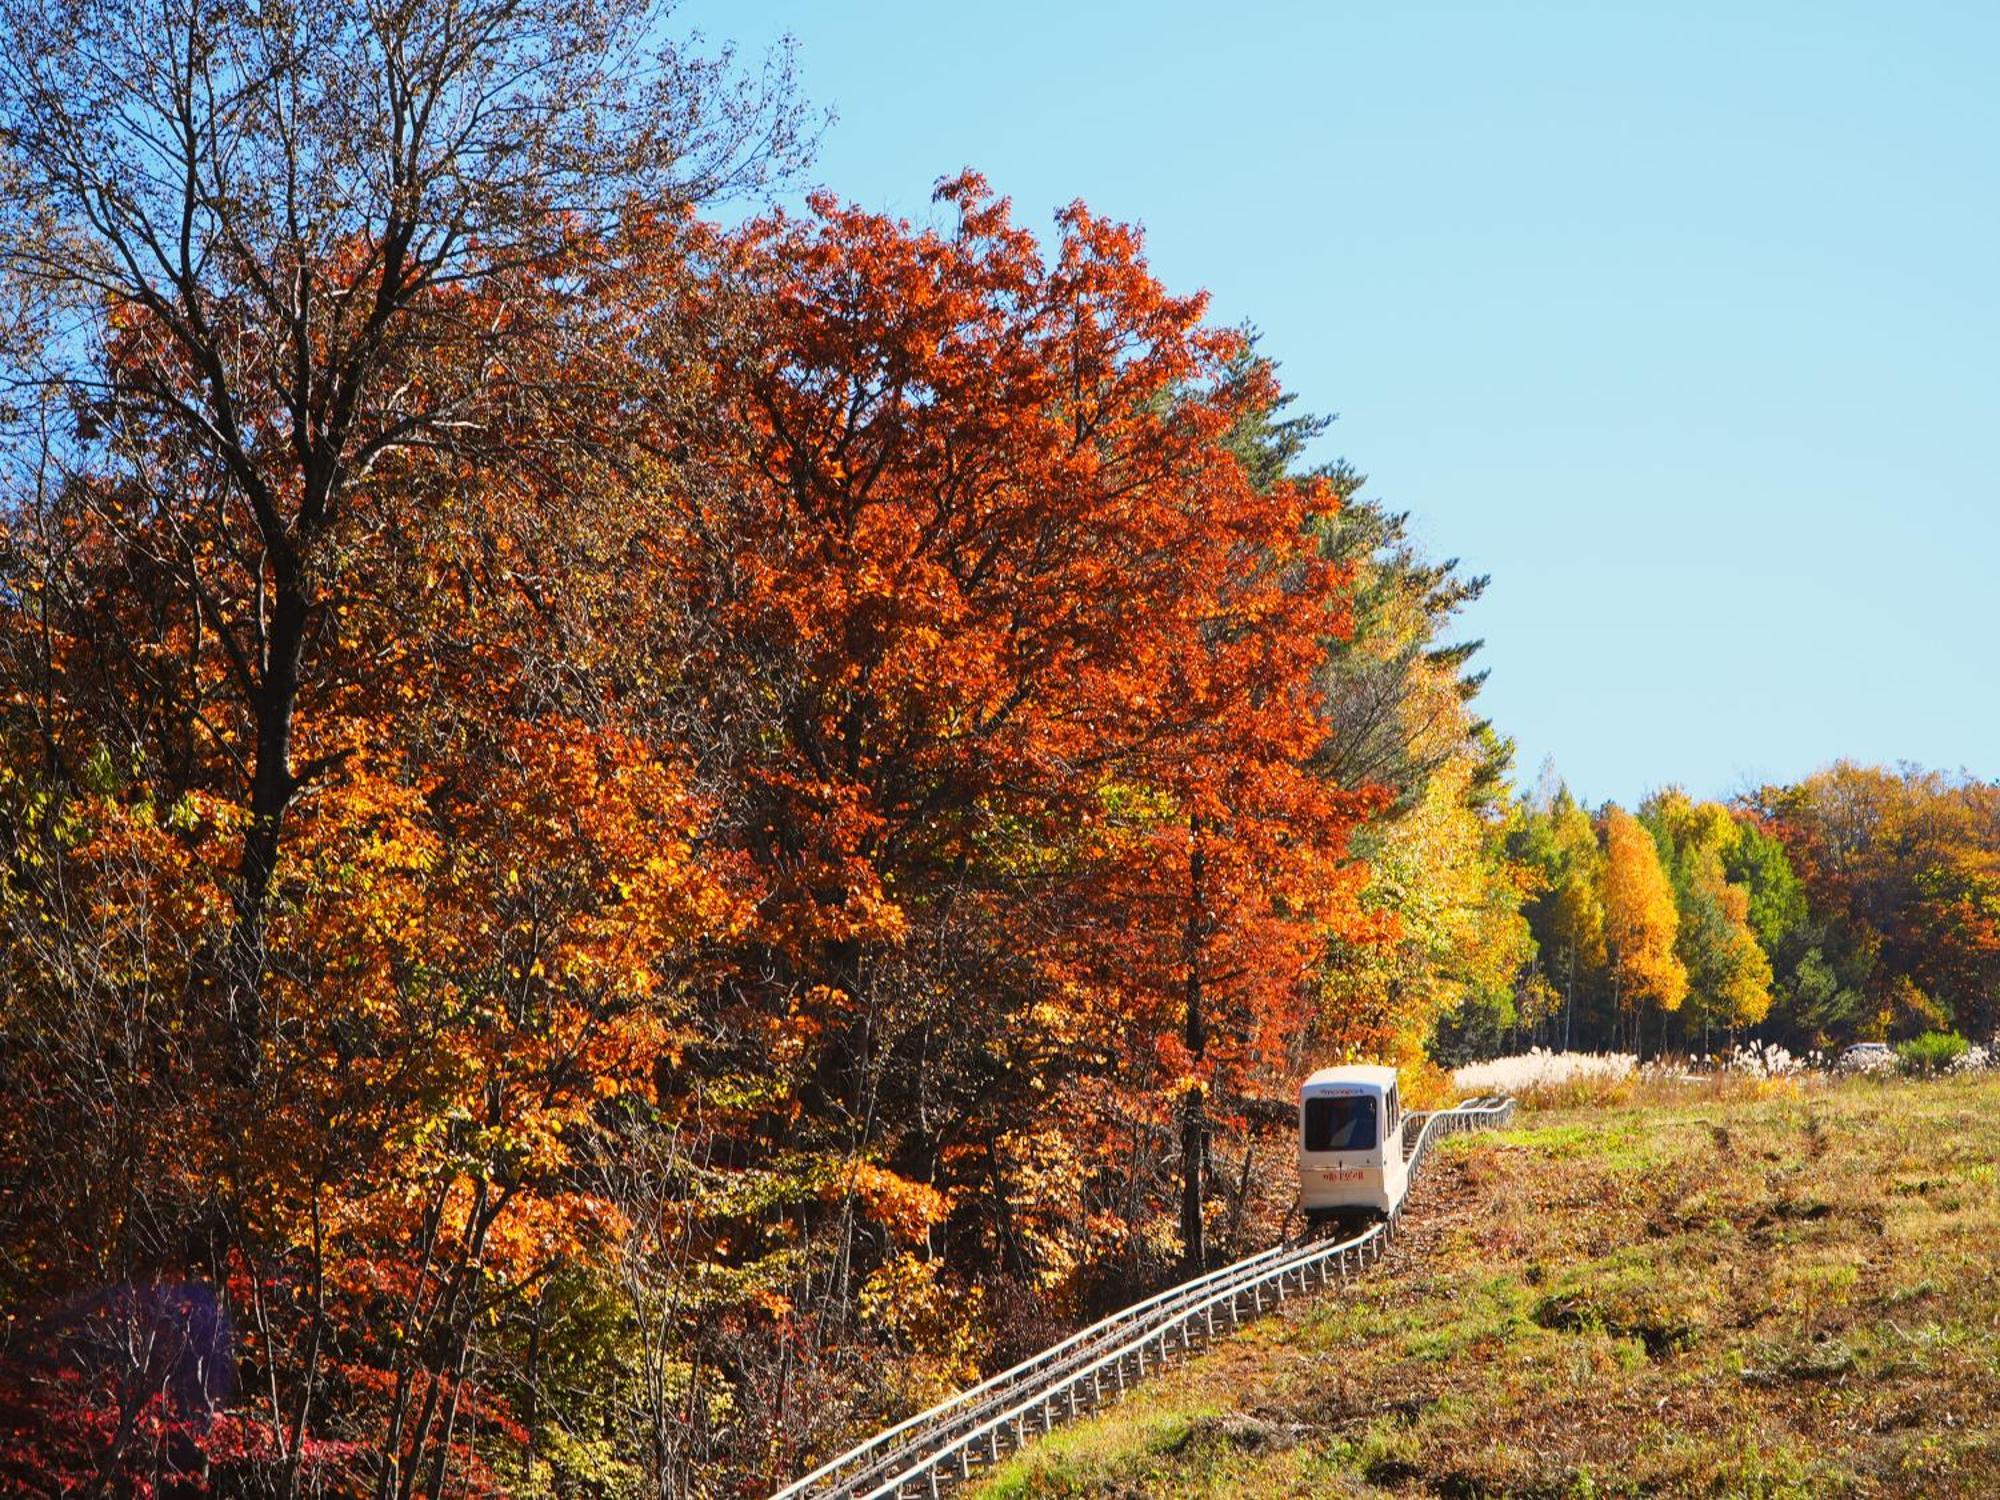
[{"x": 1347, "y": 1160}]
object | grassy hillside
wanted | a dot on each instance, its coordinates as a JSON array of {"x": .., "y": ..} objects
[{"x": 1720, "y": 1293}]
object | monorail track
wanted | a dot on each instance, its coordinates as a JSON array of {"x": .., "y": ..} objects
[{"x": 973, "y": 1430}]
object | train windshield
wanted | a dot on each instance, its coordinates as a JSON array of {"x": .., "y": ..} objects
[{"x": 1340, "y": 1124}]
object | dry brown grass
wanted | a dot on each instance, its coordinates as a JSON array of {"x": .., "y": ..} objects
[{"x": 1652, "y": 1090}]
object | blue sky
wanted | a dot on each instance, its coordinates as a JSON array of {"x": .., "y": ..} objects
[{"x": 1679, "y": 321}]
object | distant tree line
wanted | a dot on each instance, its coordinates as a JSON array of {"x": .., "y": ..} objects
[{"x": 1860, "y": 904}]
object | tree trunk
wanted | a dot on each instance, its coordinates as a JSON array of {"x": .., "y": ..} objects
[
  {"x": 1194, "y": 1111},
  {"x": 272, "y": 788},
  {"x": 1194, "y": 1131}
]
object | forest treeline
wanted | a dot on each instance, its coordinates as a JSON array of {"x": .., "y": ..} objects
[
  {"x": 1860, "y": 904},
  {"x": 633, "y": 840}
]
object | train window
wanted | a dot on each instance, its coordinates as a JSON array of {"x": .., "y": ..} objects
[{"x": 1340, "y": 1124}]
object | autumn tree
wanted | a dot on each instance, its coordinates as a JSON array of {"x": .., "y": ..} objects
[
  {"x": 265, "y": 235},
  {"x": 1017, "y": 665},
  {"x": 1399, "y": 698},
  {"x": 1729, "y": 972},
  {"x": 1641, "y": 922},
  {"x": 1456, "y": 943},
  {"x": 341, "y": 888},
  {"x": 1554, "y": 842},
  {"x": 1400, "y": 689},
  {"x": 480, "y": 932},
  {"x": 1901, "y": 873},
  {"x": 1397, "y": 695},
  {"x": 1756, "y": 860}
]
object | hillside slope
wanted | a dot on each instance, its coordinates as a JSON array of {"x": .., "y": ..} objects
[{"x": 1788, "y": 1295}]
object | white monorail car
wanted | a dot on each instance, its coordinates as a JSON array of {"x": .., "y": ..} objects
[{"x": 1350, "y": 1144}]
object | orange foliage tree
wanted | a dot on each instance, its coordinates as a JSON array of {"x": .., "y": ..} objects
[
  {"x": 1640, "y": 920},
  {"x": 1011, "y": 672},
  {"x": 348, "y": 895},
  {"x": 480, "y": 926}
]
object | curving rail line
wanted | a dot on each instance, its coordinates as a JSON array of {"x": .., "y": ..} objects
[{"x": 924, "y": 1454}]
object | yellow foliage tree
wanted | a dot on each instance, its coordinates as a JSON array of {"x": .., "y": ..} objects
[
  {"x": 1640, "y": 918},
  {"x": 1459, "y": 932},
  {"x": 1729, "y": 974},
  {"x": 1579, "y": 894}
]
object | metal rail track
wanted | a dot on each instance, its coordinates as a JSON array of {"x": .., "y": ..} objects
[{"x": 925, "y": 1454}]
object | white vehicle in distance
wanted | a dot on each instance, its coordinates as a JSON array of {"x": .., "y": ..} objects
[
  {"x": 1351, "y": 1165},
  {"x": 1867, "y": 1057}
]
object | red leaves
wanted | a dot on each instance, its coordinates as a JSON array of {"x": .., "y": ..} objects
[{"x": 1024, "y": 622}]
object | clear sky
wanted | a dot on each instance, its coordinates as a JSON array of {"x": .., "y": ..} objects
[{"x": 1680, "y": 321}]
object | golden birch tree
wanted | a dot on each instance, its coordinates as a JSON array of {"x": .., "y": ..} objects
[{"x": 1641, "y": 921}]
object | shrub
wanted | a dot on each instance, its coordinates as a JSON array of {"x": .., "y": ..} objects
[{"x": 1933, "y": 1052}]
